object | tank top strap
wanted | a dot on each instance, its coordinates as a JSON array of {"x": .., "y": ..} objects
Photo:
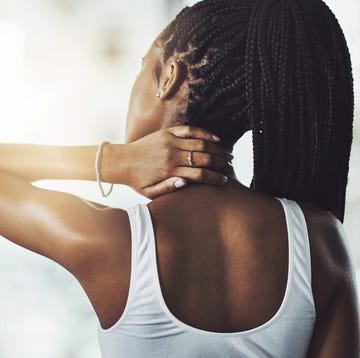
[
  {"x": 141, "y": 275},
  {"x": 298, "y": 240},
  {"x": 144, "y": 311}
]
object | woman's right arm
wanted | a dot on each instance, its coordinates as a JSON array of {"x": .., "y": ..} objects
[
  {"x": 336, "y": 333},
  {"x": 61, "y": 226},
  {"x": 150, "y": 165}
]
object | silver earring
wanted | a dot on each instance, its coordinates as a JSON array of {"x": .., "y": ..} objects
[{"x": 158, "y": 94}]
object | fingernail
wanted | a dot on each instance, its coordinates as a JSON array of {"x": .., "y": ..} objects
[
  {"x": 179, "y": 184},
  {"x": 215, "y": 138},
  {"x": 224, "y": 179}
]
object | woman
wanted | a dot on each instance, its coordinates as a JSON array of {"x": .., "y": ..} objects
[{"x": 214, "y": 271}]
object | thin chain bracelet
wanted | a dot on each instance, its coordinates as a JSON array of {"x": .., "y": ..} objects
[{"x": 98, "y": 160}]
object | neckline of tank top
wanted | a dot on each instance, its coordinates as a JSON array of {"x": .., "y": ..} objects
[{"x": 188, "y": 327}]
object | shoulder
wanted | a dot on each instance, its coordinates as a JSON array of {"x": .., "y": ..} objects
[
  {"x": 327, "y": 235},
  {"x": 103, "y": 263},
  {"x": 103, "y": 241},
  {"x": 330, "y": 256},
  {"x": 113, "y": 229}
]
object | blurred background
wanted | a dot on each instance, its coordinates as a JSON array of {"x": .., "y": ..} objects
[{"x": 66, "y": 71}]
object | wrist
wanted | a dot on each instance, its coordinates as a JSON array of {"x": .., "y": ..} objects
[{"x": 114, "y": 168}]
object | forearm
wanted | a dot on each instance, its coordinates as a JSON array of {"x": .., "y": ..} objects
[
  {"x": 153, "y": 165},
  {"x": 35, "y": 162}
]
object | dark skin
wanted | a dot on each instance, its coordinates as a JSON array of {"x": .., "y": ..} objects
[{"x": 229, "y": 237}]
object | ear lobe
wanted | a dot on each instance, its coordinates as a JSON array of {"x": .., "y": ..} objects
[{"x": 175, "y": 75}]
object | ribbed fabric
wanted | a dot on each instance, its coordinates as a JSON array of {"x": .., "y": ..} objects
[{"x": 148, "y": 329}]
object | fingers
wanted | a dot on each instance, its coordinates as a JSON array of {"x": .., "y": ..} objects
[
  {"x": 201, "y": 175},
  {"x": 193, "y": 138},
  {"x": 166, "y": 186},
  {"x": 193, "y": 132},
  {"x": 198, "y": 175},
  {"x": 199, "y": 145},
  {"x": 205, "y": 160}
]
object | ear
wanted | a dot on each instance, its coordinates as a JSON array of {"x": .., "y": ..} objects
[{"x": 173, "y": 76}]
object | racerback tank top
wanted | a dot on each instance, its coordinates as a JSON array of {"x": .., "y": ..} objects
[{"x": 148, "y": 329}]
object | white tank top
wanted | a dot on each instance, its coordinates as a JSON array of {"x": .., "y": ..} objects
[{"x": 148, "y": 329}]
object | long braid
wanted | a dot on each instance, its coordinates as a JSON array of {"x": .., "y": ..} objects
[
  {"x": 267, "y": 95},
  {"x": 250, "y": 63},
  {"x": 283, "y": 72},
  {"x": 280, "y": 68}
]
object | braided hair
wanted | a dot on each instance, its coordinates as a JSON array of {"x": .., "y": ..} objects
[{"x": 282, "y": 69}]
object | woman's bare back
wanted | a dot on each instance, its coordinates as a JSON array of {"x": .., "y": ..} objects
[{"x": 222, "y": 256}]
